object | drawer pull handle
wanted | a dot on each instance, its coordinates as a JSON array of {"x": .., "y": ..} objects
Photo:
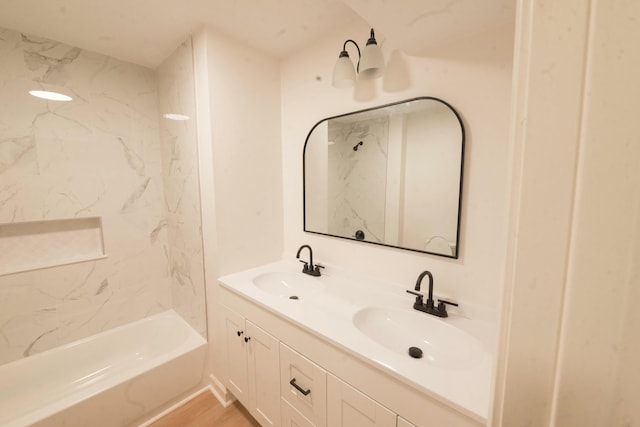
[{"x": 300, "y": 389}]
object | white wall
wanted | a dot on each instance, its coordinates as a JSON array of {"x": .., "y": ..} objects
[
  {"x": 244, "y": 91},
  {"x": 237, "y": 94},
  {"x": 428, "y": 211},
  {"x": 318, "y": 188},
  {"x": 475, "y": 78},
  {"x": 570, "y": 347},
  {"x": 601, "y": 325}
]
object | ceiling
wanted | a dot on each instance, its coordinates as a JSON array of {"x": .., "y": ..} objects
[{"x": 147, "y": 31}]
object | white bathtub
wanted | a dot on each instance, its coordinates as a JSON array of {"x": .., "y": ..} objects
[{"x": 109, "y": 379}]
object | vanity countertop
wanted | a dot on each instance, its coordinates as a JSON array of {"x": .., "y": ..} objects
[{"x": 326, "y": 307}]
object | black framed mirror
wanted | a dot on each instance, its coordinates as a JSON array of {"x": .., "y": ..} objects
[{"x": 389, "y": 175}]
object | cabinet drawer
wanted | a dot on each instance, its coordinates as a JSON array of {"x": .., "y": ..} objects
[
  {"x": 404, "y": 423},
  {"x": 303, "y": 385},
  {"x": 349, "y": 407},
  {"x": 292, "y": 418}
]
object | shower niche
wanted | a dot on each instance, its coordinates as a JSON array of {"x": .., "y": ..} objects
[{"x": 27, "y": 246}]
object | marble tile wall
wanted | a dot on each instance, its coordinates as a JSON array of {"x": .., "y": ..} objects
[
  {"x": 176, "y": 88},
  {"x": 97, "y": 156},
  {"x": 357, "y": 178}
]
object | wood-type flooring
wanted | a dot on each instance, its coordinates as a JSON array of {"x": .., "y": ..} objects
[{"x": 204, "y": 410}]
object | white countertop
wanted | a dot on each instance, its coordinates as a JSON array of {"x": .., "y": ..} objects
[{"x": 328, "y": 313}]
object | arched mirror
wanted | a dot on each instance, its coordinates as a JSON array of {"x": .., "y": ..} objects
[{"x": 390, "y": 175}]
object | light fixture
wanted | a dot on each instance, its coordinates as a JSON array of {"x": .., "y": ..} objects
[
  {"x": 49, "y": 95},
  {"x": 175, "y": 116},
  {"x": 370, "y": 64}
]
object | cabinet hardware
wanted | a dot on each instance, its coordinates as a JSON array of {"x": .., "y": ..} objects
[
  {"x": 246, "y": 339},
  {"x": 300, "y": 389}
]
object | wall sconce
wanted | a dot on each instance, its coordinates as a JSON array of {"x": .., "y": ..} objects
[
  {"x": 50, "y": 96},
  {"x": 370, "y": 64}
]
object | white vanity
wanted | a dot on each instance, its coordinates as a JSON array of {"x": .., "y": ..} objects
[{"x": 333, "y": 351}]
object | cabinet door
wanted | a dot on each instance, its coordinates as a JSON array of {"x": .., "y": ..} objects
[
  {"x": 235, "y": 354},
  {"x": 404, "y": 423},
  {"x": 264, "y": 376},
  {"x": 347, "y": 407},
  {"x": 292, "y": 418}
]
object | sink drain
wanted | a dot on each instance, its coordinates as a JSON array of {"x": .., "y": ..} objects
[
  {"x": 415, "y": 352},
  {"x": 293, "y": 297}
]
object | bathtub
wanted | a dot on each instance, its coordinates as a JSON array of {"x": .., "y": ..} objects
[{"x": 109, "y": 379}]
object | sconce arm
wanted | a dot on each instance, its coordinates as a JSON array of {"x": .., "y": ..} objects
[{"x": 344, "y": 50}]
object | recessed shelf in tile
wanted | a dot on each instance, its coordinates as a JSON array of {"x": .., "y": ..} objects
[{"x": 26, "y": 246}]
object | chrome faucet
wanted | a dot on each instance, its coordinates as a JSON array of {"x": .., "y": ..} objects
[
  {"x": 309, "y": 268},
  {"x": 429, "y": 306}
]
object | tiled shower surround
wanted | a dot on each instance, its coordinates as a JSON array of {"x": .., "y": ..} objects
[
  {"x": 181, "y": 186},
  {"x": 106, "y": 154}
]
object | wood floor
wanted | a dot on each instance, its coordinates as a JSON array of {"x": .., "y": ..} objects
[{"x": 204, "y": 410}]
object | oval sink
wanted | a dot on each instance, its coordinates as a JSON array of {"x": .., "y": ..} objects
[
  {"x": 287, "y": 284},
  {"x": 441, "y": 344}
]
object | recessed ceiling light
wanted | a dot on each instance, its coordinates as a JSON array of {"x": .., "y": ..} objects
[
  {"x": 51, "y": 96},
  {"x": 173, "y": 116}
]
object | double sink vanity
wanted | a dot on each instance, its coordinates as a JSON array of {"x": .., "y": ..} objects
[
  {"x": 342, "y": 349},
  {"x": 323, "y": 346}
]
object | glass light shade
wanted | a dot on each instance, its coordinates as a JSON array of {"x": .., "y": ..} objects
[
  {"x": 175, "y": 116},
  {"x": 372, "y": 62},
  {"x": 49, "y": 95},
  {"x": 344, "y": 75}
]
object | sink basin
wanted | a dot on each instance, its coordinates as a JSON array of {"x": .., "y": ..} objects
[
  {"x": 287, "y": 284},
  {"x": 440, "y": 343}
]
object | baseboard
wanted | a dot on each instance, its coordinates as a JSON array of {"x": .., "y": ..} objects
[
  {"x": 216, "y": 388},
  {"x": 176, "y": 405},
  {"x": 220, "y": 392}
]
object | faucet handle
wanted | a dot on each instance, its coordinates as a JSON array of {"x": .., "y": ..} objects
[
  {"x": 444, "y": 301},
  {"x": 418, "y": 295},
  {"x": 317, "y": 267},
  {"x": 419, "y": 302},
  {"x": 442, "y": 307}
]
